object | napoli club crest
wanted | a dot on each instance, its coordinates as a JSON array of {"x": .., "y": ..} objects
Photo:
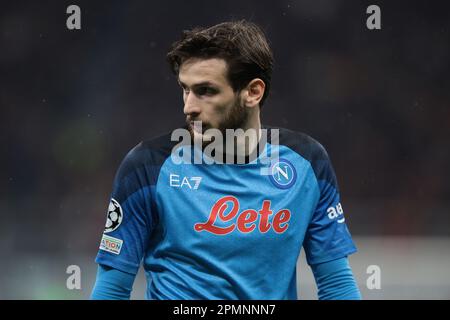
[{"x": 283, "y": 174}]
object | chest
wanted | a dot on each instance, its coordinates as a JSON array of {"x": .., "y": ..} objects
[{"x": 234, "y": 202}]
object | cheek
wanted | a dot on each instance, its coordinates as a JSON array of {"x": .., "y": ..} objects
[
  {"x": 215, "y": 109},
  {"x": 225, "y": 104},
  {"x": 221, "y": 113}
]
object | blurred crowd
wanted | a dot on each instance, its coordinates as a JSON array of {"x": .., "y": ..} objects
[{"x": 74, "y": 102}]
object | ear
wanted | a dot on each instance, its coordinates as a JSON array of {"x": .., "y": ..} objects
[{"x": 253, "y": 93}]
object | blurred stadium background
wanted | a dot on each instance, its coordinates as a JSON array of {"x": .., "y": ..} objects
[{"x": 74, "y": 102}]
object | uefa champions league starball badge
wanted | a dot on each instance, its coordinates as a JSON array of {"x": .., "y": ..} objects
[{"x": 114, "y": 217}]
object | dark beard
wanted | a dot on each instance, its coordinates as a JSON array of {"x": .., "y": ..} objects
[{"x": 235, "y": 118}]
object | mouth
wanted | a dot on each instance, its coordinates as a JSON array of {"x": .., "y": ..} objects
[{"x": 197, "y": 126}]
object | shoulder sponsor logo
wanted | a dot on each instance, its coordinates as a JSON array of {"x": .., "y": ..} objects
[
  {"x": 114, "y": 217},
  {"x": 336, "y": 212},
  {"x": 111, "y": 244},
  {"x": 283, "y": 174}
]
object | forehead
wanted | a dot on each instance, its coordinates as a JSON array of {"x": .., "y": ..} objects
[{"x": 197, "y": 70}]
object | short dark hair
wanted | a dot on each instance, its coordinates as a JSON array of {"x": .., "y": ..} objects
[{"x": 242, "y": 44}]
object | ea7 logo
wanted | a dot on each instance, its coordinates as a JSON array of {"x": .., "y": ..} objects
[
  {"x": 336, "y": 212},
  {"x": 177, "y": 181}
]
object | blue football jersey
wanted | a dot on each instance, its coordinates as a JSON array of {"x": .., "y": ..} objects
[{"x": 224, "y": 231}]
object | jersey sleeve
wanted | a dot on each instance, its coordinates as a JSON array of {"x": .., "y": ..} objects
[
  {"x": 327, "y": 237},
  {"x": 129, "y": 220}
]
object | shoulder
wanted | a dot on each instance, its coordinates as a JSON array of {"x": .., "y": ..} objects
[
  {"x": 311, "y": 150},
  {"x": 147, "y": 155},
  {"x": 301, "y": 143}
]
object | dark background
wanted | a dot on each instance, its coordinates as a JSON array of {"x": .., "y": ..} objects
[{"x": 74, "y": 102}]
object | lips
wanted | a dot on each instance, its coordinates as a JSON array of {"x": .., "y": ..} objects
[
  {"x": 198, "y": 126},
  {"x": 195, "y": 128}
]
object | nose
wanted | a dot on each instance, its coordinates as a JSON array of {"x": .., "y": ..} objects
[{"x": 191, "y": 104}]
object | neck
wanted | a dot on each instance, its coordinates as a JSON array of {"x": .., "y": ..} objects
[
  {"x": 246, "y": 140},
  {"x": 241, "y": 146}
]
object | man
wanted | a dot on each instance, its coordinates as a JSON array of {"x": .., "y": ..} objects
[{"x": 221, "y": 229}]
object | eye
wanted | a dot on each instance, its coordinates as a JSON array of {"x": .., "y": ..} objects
[{"x": 206, "y": 91}]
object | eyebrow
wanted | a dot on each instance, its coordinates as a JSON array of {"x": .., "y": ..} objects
[{"x": 201, "y": 84}]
